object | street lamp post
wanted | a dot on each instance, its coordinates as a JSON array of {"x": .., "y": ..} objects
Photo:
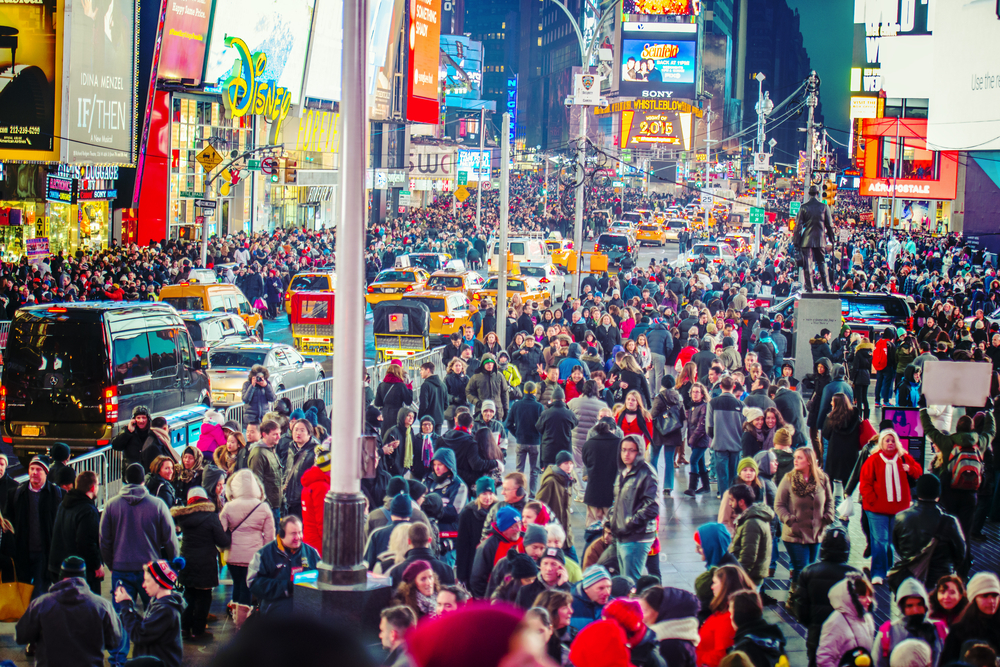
[{"x": 763, "y": 107}]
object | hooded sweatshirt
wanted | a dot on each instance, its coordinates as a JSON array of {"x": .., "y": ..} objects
[
  {"x": 847, "y": 628},
  {"x": 135, "y": 529},
  {"x": 916, "y": 627}
]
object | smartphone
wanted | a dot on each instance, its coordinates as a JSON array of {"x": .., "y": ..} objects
[{"x": 119, "y": 584}]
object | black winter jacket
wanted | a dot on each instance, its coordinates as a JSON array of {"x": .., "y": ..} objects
[
  {"x": 433, "y": 400},
  {"x": 555, "y": 425},
  {"x": 130, "y": 444},
  {"x": 524, "y": 413},
  {"x": 19, "y": 505},
  {"x": 668, "y": 399},
  {"x": 470, "y": 528},
  {"x": 811, "y": 601},
  {"x": 793, "y": 410},
  {"x": 76, "y": 533},
  {"x": 471, "y": 466},
  {"x": 390, "y": 397},
  {"x": 156, "y": 633},
  {"x": 203, "y": 536},
  {"x": 916, "y": 526},
  {"x": 599, "y": 455}
]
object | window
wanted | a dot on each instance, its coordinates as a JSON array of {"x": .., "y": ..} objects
[
  {"x": 244, "y": 306},
  {"x": 184, "y": 302},
  {"x": 131, "y": 357},
  {"x": 163, "y": 352},
  {"x": 294, "y": 357},
  {"x": 188, "y": 357},
  {"x": 314, "y": 310},
  {"x": 217, "y": 304}
]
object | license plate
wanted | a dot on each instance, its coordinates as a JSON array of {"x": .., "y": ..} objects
[
  {"x": 30, "y": 431},
  {"x": 389, "y": 290}
]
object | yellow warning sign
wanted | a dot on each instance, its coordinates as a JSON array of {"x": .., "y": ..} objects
[
  {"x": 461, "y": 194},
  {"x": 209, "y": 158}
]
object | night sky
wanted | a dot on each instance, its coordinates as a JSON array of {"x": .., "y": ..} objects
[{"x": 828, "y": 34}]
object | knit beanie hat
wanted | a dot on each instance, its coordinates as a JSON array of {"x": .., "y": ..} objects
[
  {"x": 928, "y": 487},
  {"x": 563, "y": 457},
  {"x": 554, "y": 553},
  {"x": 600, "y": 644},
  {"x": 594, "y": 575},
  {"x": 558, "y": 394},
  {"x": 323, "y": 458},
  {"x": 627, "y": 614},
  {"x": 747, "y": 463},
  {"x": 414, "y": 569},
  {"x": 981, "y": 583},
  {"x": 522, "y": 567},
  {"x": 477, "y": 634},
  {"x": 401, "y": 505},
  {"x": 196, "y": 494},
  {"x": 59, "y": 451},
  {"x": 507, "y": 516},
  {"x": 488, "y": 405},
  {"x": 535, "y": 534},
  {"x": 621, "y": 586},
  {"x": 484, "y": 484},
  {"x": 74, "y": 566},
  {"x": 783, "y": 436},
  {"x": 749, "y": 414},
  {"x": 43, "y": 461},
  {"x": 910, "y": 653},
  {"x": 135, "y": 474},
  {"x": 396, "y": 486},
  {"x": 163, "y": 574},
  {"x": 417, "y": 489},
  {"x": 885, "y": 424}
]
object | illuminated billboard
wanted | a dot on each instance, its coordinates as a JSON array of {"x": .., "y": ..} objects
[
  {"x": 277, "y": 28},
  {"x": 463, "y": 68},
  {"x": 475, "y": 163},
  {"x": 31, "y": 88},
  {"x": 102, "y": 99},
  {"x": 662, "y": 7},
  {"x": 185, "y": 38},
  {"x": 658, "y": 60},
  {"x": 425, "y": 47},
  {"x": 921, "y": 173},
  {"x": 647, "y": 129},
  {"x": 325, "y": 51}
]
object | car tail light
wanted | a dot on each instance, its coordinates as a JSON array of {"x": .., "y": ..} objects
[
  {"x": 57, "y": 310},
  {"x": 717, "y": 261},
  {"x": 371, "y": 290},
  {"x": 544, "y": 280},
  {"x": 448, "y": 320},
  {"x": 3, "y": 403},
  {"x": 909, "y": 323},
  {"x": 111, "y": 405},
  {"x": 409, "y": 288}
]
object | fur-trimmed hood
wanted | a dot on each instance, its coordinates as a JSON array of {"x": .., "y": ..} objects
[
  {"x": 257, "y": 368},
  {"x": 204, "y": 506}
]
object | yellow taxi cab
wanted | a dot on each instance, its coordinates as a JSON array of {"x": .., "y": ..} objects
[
  {"x": 309, "y": 281},
  {"x": 449, "y": 312},
  {"x": 213, "y": 297},
  {"x": 528, "y": 289},
  {"x": 396, "y": 283},
  {"x": 467, "y": 282},
  {"x": 652, "y": 233}
]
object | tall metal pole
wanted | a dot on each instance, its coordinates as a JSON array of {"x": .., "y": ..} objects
[
  {"x": 812, "y": 100},
  {"x": 708, "y": 162},
  {"x": 501, "y": 314},
  {"x": 578, "y": 229},
  {"x": 479, "y": 166},
  {"x": 545, "y": 189},
  {"x": 343, "y": 517},
  {"x": 761, "y": 112}
]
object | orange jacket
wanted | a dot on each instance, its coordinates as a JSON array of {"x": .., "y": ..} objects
[{"x": 315, "y": 485}]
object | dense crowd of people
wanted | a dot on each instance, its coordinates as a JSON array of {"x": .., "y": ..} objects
[{"x": 652, "y": 386}]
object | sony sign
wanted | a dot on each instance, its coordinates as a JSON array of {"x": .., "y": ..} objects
[{"x": 657, "y": 93}]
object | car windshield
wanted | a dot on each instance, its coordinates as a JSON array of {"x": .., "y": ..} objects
[
  {"x": 394, "y": 277},
  {"x": 185, "y": 302},
  {"x": 613, "y": 240},
  {"x": 194, "y": 328},
  {"x": 632, "y": 217},
  {"x": 512, "y": 285},
  {"x": 429, "y": 262},
  {"x": 674, "y": 224},
  {"x": 433, "y": 305},
  {"x": 47, "y": 354},
  {"x": 445, "y": 282},
  {"x": 533, "y": 271},
  {"x": 310, "y": 283},
  {"x": 236, "y": 358},
  {"x": 708, "y": 250}
]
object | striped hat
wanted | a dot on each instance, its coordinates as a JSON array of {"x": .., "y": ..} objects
[
  {"x": 162, "y": 573},
  {"x": 323, "y": 458}
]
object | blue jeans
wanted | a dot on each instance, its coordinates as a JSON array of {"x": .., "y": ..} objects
[
  {"x": 885, "y": 386},
  {"x": 881, "y": 527},
  {"x": 698, "y": 460},
  {"x": 668, "y": 464},
  {"x": 132, "y": 581},
  {"x": 725, "y": 468},
  {"x": 801, "y": 555},
  {"x": 632, "y": 558}
]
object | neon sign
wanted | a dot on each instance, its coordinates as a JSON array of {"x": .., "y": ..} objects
[{"x": 246, "y": 93}]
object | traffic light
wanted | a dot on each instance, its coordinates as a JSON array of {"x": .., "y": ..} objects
[
  {"x": 290, "y": 172},
  {"x": 833, "y": 194},
  {"x": 826, "y": 191}
]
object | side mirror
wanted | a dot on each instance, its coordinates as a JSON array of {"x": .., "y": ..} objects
[{"x": 309, "y": 359}]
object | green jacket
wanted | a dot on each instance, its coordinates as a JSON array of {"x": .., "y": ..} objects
[
  {"x": 752, "y": 541},
  {"x": 946, "y": 442}
]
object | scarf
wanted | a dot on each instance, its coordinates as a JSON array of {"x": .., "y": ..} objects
[
  {"x": 893, "y": 490},
  {"x": 425, "y": 603},
  {"x": 164, "y": 437},
  {"x": 801, "y": 487},
  {"x": 427, "y": 451},
  {"x": 408, "y": 449}
]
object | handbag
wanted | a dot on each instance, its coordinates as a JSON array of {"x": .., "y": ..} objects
[
  {"x": 259, "y": 304},
  {"x": 14, "y": 599},
  {"x": 669, "y": 422}
]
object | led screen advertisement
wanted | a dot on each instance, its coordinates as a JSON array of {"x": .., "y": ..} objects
[
  {"x": 463, "y": 66},
  {"x": 325, "y": 52},
  {"x": 651, "y": 128},
  {"x": 30, "y": 80},
  {"x": 662, "y": 7},
  {"x": 277, "y": 28},
  {"x": 185, "y": 38},
  {"x": 424, "y": 38},
  {"x": 658, "y": 60},
  {"x": 475, "y": 163},
  {"x": 102, "y": 99},
  {"x": 384, "y": 22}
]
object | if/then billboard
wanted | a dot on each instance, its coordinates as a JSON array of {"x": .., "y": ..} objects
[{"x": 658, "y": 60}]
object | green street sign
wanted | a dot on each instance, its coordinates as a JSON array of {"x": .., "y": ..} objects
[
  {"x": 627, "y": 154},
  {"x": 793, "y": 208},
  {"x": 404, "y": 193},
  {"x": 186, "y": 194},
  {"x": 463, "y": 178},
  {"x": 757, "y": 216},
  {"x": 253, "y": 165}
]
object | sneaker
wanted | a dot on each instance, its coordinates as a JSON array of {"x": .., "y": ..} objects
[{"x": 877, "y": 581}]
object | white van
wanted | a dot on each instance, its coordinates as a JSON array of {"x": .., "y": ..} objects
[{"x": 523, "y": 248}]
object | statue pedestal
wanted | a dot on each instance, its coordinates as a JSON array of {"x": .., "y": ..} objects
[
  {"x": 355, "y": 607},
  {"x": 813, "y": 312}
]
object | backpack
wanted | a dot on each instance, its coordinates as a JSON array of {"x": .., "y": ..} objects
[
  {"x": 966, "y": 468},
  {"x": 880, "y": 358}
]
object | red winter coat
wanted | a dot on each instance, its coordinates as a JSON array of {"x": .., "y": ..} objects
[
  {"x": 315, "y": 485},
  {"x": 872, "y": 484},
  {"x": 717, "y": 636}
]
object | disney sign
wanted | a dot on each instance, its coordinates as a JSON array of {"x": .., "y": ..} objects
[{"x": 247, "y": 93}]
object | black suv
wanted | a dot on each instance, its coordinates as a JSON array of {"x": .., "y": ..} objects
[
  {"x": 209, "y": 329},
  {"x": 865, "y": 312},
  {"x": 617, "y": 246}
]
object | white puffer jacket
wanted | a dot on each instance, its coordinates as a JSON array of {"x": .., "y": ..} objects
[
  {"x": 248, "y": 515},
  {"x": 845, "y": 629}
]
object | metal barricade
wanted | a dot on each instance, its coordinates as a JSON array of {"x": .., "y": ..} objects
[
  {"x": 4, "y": 329},
  {"x": 323, "y": 390},
  {"x": 235, "y": 413},
  {"x": 296, "y": 395}
]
